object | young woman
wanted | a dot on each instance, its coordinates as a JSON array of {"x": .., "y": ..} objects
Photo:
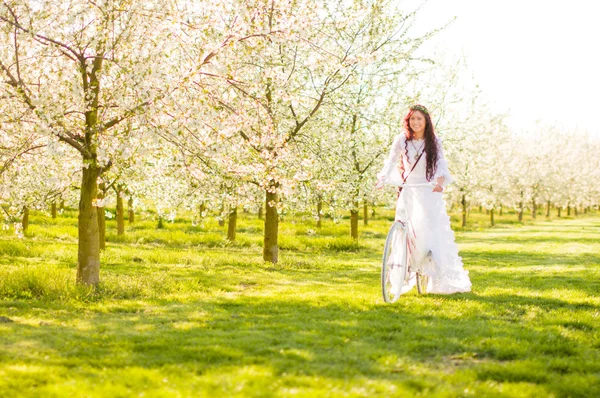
[{"x": 416, "y": 157}]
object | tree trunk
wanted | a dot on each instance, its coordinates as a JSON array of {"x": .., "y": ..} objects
[
  {"x": 232, "y": 225},
  {"x": 61, "y": 206},
  {"x": 520, "y": 211},
  {"x": 270, "y": 247},
  {"x": 576, "y": 211},
  {"x": 365, "y": 213},
  {"x": 120, "y": 213},
  {"x": 221, "y": 211},
  {"x": 548, "y": 209},
  {"x": 492, "y": 216},
  {"x": 260, "y": 212},
  {"x": 354, "y": 219},
  {"x": 463, "y": 202},
  {"x": 533, "y": 209},
  {"x": 88, "y": 254},
  {"x": 101, "y": 218},
  {"x": 480, "y": 209},
  {"x": 569, "y": 209},
  {"x": 201, "y": 208},
  {"x": 160, "y": 224},
  {"x": 25, "y": 220},
  {"x": 559, "y": 208},
  {"x": 354, "y": 224},
  {"x": 53, "y": 210},
  {"x": 319, "y": 208},
  {"x": 130, "y": 210},
  {"x": 500, "y": 211}
]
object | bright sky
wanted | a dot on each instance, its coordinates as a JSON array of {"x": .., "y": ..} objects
[{"x": 540, "y": 60}]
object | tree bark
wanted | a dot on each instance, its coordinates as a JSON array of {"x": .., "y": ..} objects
[
  {"x": 548, "y": 209},
  {"x": 354, "y": 224},
  {"x": 270, "y": 244},
  {"x": 260, "y": 212},
  {"x": 101, "y": 218},
  {"x": 88, "y": 254},
  {"x": 319, "y": 208},
  {"x": 130, "y": 210},
  {"x": 365, "y": 213},
  {"x": 53, "y": 210},
  {"x": 61, "y": 206},
  {"x": 120, "y": 212},
  {"x": 221, "y": 211},
  {"x": 558, "y": 209},
  {"x": 354, "y": 220},
  {"x": 534, "y": 209},
  {"x": 232, "y": 225},
  {"x": 520, "y": 211},
  {"x": 569, "y": 209},
  {"x": 492, "y": 216},
  {"x": 500, "y": 211},
  {"x": 576, "y": 211},
  {"x": 201, "y": 210},
  {"x": 90, "y": 241},
  {"x": 463, "y": 202},
  {"x": 25, "y": 219}
]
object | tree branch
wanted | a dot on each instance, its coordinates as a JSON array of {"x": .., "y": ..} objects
[{"x": 15, "y": 23}]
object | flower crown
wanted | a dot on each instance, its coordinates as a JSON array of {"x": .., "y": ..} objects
[{"x": 419, "y": 108}]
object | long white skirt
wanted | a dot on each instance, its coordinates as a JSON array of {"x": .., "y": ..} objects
[{"x": 429, "y": 230}]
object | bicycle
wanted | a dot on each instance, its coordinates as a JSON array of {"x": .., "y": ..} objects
[{"x": 396, "y": 272}]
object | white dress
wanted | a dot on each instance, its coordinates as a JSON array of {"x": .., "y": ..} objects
[{"x": 425, "y": 213}]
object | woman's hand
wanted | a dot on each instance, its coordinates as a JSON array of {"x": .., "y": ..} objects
[
  {"x": 439, "y": 187},
  {"x": 379, "y": 184}
]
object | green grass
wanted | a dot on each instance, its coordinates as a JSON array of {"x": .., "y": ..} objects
[{"x": 181, "y": 312}]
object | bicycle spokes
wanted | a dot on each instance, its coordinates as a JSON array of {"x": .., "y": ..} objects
[{"x": 394, "y": 269}]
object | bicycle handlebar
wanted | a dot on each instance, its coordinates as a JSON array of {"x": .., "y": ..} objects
[{"x": 421, "y": 185}]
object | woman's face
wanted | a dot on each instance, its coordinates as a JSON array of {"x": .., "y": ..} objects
[{"x": 417, "y": 122}]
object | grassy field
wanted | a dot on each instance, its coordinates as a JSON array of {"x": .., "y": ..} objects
[{"x": 183, "y": 313}]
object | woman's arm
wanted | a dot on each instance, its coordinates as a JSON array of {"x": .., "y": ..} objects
[
  {"x": 442, "y": 175},
  {"x": 390, "y": 172},
  {"x": 439, "y": 184}
]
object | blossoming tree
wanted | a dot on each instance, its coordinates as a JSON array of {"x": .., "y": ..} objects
[{"x": 83, "y": 68}]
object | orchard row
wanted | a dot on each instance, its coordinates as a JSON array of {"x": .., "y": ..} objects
[{"x": 264, "y": 105}]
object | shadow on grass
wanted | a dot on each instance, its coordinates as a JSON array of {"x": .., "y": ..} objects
[
  {"x": 311, "y": 322},
  {"x": 505, "y": 258},
  {"x": 586, "y": 282},
  {"x": 295, "y": 337}
]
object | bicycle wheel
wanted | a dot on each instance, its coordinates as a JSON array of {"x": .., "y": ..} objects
[
  {"x": 422, "y": 281},
  {"x": 422, "y": 278},
  {"x": 393, "y": 266}
]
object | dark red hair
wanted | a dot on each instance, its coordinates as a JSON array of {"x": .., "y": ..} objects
[{"x": 431, "y": 147}]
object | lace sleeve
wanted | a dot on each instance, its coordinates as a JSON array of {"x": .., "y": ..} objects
[
  {"x": 442, "y": 166},
  {"x": 390, "y": 174}
]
